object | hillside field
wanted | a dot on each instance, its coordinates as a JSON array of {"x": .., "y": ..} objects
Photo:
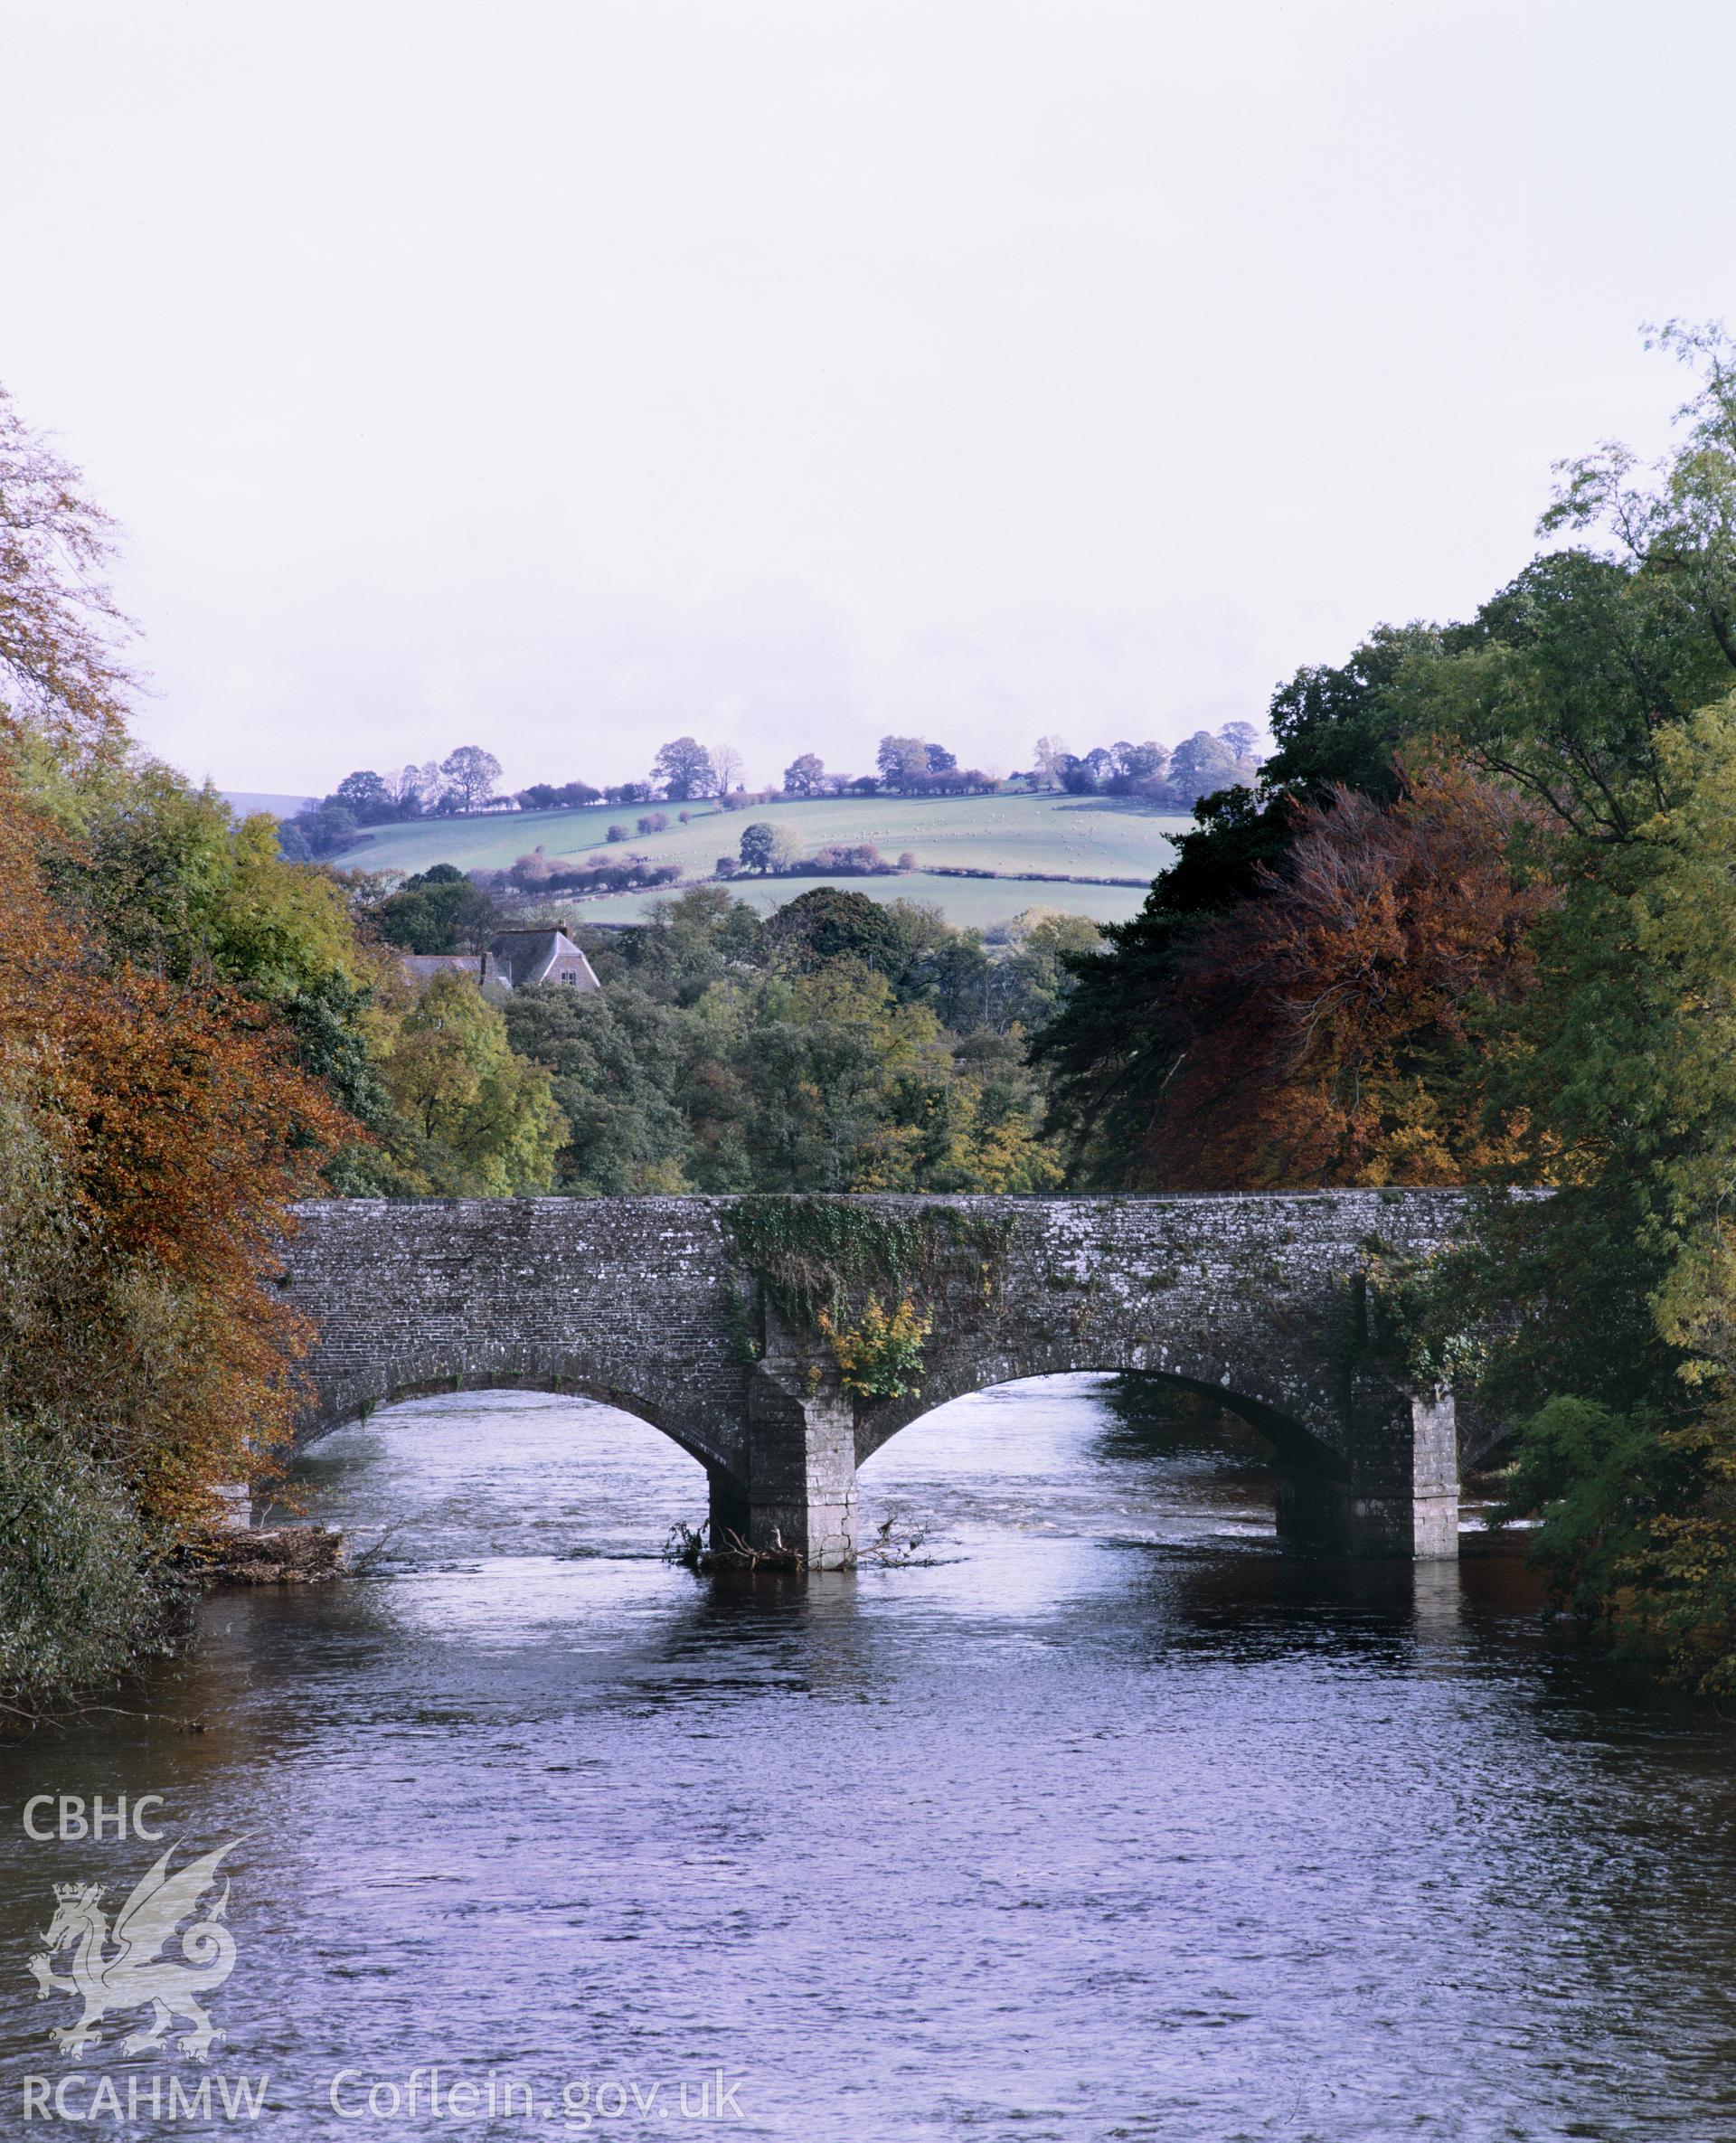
[
  {"x": 1099, "y": 836},
  {"x": 968, "y": 903}
]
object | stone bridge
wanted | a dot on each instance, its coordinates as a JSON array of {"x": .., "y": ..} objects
[{"x": 664, "y": 1308}]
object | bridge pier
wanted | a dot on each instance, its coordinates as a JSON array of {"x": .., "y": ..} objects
[
  {"x": 1398, "y": 1497},
  {"x": 1399, "y": 1494},
  {"x": 801, "y": 1485}
]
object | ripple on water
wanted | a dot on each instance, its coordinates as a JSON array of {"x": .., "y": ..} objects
[{"x": 1104, "y": 1818}]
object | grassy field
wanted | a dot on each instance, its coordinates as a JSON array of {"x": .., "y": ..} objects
[
  {"x": 1098, "y": 837},
  {"x": 968, "y": 903}
]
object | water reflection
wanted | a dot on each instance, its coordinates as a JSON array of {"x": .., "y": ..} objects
[{"x": 1107, "y": 1819}]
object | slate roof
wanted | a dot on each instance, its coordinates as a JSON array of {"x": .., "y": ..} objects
[
  {"x": 515, "y": 959},
  {"x": 527, "y": 957}
]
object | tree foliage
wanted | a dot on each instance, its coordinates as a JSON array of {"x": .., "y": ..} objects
[
  {"x": 808, "y": 1054},
  {"x": 1320, "y": 1029},
  {"x": 439, "y": 909},
  {"x": 683, "y": 769},
  {"x": 484, "y": 1120},
  {"x": 62, "y": 679},
  {"x": 471, "y": 774},
  {"x": 1478, "y": 921},
  {"x": 765, "y": 848},
  {"x": 84, "y": 1596},
  {"x": 158, "y": 1131}
]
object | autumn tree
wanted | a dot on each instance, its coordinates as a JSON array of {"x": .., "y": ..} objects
[
  {"x": 1109, "y": 1051},
  {"x": 1349, "y": 975},
  {"x": 191, "y": 1036},
  {"x": 159, "y": 1136},
  {"x": 1325, "y": 1035}
]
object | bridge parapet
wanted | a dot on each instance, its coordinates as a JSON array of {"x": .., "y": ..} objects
[{"x": 656, "y": 1305}]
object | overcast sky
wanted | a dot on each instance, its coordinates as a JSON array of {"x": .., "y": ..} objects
[{"x": 562, "y": 375}]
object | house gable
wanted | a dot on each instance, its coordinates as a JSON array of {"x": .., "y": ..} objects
[{"x": 515, "y": 959}]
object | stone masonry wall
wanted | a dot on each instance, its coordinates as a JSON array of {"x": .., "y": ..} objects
[{"x": 644, "y": 1303}]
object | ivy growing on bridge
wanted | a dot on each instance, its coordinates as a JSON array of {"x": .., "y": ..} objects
[
  {"x": 879, "y": 1356},
  {"x": 830, "y": 1265},
  {"x": 1395, "y": 1316}
]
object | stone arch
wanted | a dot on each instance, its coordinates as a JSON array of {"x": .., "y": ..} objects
[
  {"x": 1297, "y": 1447},
  {"x": 341, "y": 1412},
  {"x": 1484, "y": 1441}
]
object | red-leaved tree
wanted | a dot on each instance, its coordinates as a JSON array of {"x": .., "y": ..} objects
[{"x": 1326, "y": 1024}]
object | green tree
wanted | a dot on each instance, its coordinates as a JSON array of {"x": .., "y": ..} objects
[
  {"x": 470, "y": 774},
  {"x": 439, "y": 910},
  {"x": 166, "y": 873},
  {"x": 718, "y": 1057},
  {"x": 958, "y": 979},
  {"x": 695, "y": 939},
  {"x": 1035, "y": 979},
  {"x": 615, "y": 1058},
  {"x": 1681, "y": 524},
  {"x": 1605, "y": 1311},
  {"x": 1567, "y": 682},
  {"x": 683, "y": 769},
  {"x": 365, "y": 794},
  {"x": 766, "y": 847},
  {"x": 805, "y": 776},
  {"x": 1343, "y": 723},
  {"x": 326, "y": 829},
  {"x": 832, "y": 923},
  {"x": 837, "y": 1074},
  {"x": 1202, "y": 763},
  {"x": 903, "y": 762},
  {"x": 83, "y": 1597},
  {"x": 486, "y": 1122}
]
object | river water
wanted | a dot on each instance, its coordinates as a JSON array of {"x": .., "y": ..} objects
[{"x": 1098, "y": 1818}]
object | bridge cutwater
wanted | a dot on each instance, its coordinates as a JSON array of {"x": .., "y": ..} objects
[{"x": 1262, "y": 1303}]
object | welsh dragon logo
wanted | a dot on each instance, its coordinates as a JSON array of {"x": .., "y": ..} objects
[{"x": 135, "y": 1971}]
